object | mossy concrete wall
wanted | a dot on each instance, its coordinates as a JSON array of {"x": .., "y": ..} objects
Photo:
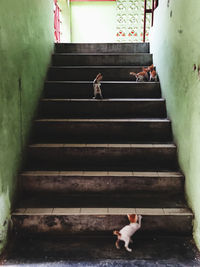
[
  {"x": 93, "y": 22},
  {"x": 26, "y": 44},
  {"x": 175, "y": 43}
]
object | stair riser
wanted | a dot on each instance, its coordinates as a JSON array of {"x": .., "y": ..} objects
[
  {"x": 101, "y": 109},
  {"x": 102, "y": 60},
  {"x": 101, "y": 158},
  {"x": 102, "y": 48},
  {"x": 84, "y": 224},
  {"x": 89, "y": 74},
  {"x": 62, "y": 184},
  {"x": 110, "y": 90},
  {"x": 111, "y": 132}
]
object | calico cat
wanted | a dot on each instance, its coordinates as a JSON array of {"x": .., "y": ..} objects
[
  {"x": 127, "y": 231},
  {"x": 153, "y": 76},
  {"x": 97, "y": 86},
  {"x": 147, "y": 74},
  {"x": 140, "y": 76}
]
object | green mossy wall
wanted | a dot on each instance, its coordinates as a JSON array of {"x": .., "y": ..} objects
[
  {"x": 175, "y": 43},
  {"x": 26, "y": 44}
]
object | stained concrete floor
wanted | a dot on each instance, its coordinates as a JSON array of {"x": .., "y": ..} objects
[{"x": 100, "y": 251}]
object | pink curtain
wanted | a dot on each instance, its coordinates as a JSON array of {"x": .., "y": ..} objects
[{"x": 57, "y": 22}]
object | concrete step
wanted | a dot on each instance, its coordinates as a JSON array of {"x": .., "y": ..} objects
[
  {"x": 100, "y": 251},
  {"x": 88, "y": 73},
  {"x": 101, "y": 59},
  {"x": 102, "y": 130},
  {"x": 105, "y": 108},
  {"x": 100, "y": 220},
  {"x": 66, "y": 182},
  {"x": 106, "y": 157},
  {"x": 101, "y": 200},
  {"x": 84, "y": 89},
  {"x": 102, "y": 48}
]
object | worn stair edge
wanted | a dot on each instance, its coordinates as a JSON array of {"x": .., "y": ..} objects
[
  {"x": 104, "y": 173},
  {"x": 97, "y": 182},
  {"x": 91, "y": 67},
  {"x": 105, "y": 100},
  {"x": 104, "y": 211},
  {"x": 106, "y": 120},
  {"x": 103, "y": 82},
  {"x": 155, "y": 146},
  {"x": 84, "y": 220},
  {"x": 103, "y": 54}
]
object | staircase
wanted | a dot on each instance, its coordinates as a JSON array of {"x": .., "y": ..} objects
[{"x": 90, "y": 162}]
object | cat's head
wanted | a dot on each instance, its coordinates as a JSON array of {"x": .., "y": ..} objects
[
  {"x": 153, "y": 73},
  {"x": 132, "y": 218},
  {"x": 151, "y": 68},
  {"x": 99, "y": 77},
  {"x": 145, "y": 69}
]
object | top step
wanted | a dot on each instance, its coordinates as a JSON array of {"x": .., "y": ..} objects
[{"x": 102, "y": 48}]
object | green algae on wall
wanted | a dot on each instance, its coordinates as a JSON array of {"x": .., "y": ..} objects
[
  {"x": 26, "y": 44},
  {"x": 175, "y": 43},
  {"x": 93, "y": 22}
]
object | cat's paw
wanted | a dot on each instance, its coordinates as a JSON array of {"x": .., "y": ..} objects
[
  {"x": 129, "y": 249},
  {"x": 140, "y": 217}
]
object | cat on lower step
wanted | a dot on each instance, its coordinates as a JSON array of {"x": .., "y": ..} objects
[{"x": 127, "y": 231}]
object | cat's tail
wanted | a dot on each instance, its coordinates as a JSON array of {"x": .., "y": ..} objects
[
  {"x": 133, "y": 74},
  {"x": 116, "y": 233}
]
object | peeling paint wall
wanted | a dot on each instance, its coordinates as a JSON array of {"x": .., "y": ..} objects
[
  {"x": 175, "y": 43},
  {"x": 26, "y": 44}
]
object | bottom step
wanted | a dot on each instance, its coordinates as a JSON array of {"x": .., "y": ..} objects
[
  {"x": 87, "y": 251},
  {"x": 103, "y": 220}
]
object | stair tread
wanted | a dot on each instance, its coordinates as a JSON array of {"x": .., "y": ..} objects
[
  {"x": 84, "y": 250},
  {"x": 102, "y": 54},
  {"x": 103, "y": 211},
  {"x": 106, "y": 99},
  {"x": 95, "y": 67},
  {"x": 103, "y": 173},
  {"x": 104, "y": 120},
  {"x": 170, "y": 145},
  {"x": 117, "y": 200},
  {"x": 103, "y": 82}
]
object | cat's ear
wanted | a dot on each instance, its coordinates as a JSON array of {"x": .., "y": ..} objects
[{"x": 150, "y": 68}]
